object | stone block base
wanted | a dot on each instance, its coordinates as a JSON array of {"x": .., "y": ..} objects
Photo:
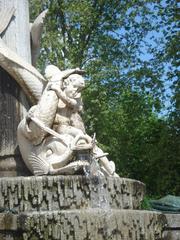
[
  {"x": 89, "y": 224},
  {"x": 172, "y": 230}
]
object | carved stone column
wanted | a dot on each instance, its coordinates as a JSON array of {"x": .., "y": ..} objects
[{"x": 13, "y": 103}]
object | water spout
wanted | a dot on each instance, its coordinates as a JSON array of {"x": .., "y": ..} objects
[{"x": 96, "y": 178}]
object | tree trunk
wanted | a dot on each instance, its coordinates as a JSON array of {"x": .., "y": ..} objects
[{"x": 13, "y": 103}]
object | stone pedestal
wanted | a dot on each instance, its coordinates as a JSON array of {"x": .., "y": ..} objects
[
  {"x": 172, "y": 229},
  {"x": 75, "y": 207},
  {"x": 13, "y": 102}
]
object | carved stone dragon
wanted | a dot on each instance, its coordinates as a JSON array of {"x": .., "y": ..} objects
[{"x": 52, "y": 137}]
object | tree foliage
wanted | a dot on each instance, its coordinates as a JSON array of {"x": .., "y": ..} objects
[{"x": 130, "y": 54}]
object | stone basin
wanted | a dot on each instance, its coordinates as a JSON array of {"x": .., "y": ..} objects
[
  {"x": 76, "y": 208},
  {"x": 69, "y": 192}
]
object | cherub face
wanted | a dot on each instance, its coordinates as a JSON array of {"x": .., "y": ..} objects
[{"x": 73, "y": 86}]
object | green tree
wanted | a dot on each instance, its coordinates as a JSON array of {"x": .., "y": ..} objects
[
  {"x": 128, "y": 49},
  {"x": 104, "y": 37}
]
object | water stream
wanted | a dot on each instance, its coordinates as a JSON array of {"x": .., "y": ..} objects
[{"x": 99, "y": 195}]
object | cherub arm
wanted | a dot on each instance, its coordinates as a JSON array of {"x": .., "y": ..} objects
[
  {"x": 68, "y": 72},
  {"x": 60, "y": 94},
  {"x": 65, "y": 74}
]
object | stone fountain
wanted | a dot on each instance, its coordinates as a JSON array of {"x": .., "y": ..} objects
[{"x": 62, "y": 185}]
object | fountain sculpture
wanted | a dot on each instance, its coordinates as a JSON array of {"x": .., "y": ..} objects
[{"x": 85, "y": 198}]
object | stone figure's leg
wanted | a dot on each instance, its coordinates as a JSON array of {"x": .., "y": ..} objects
[
  {"x": 75, "y": 132},
  {"x": 65, "y": 129},
  {"x": 107, "y": 166}
]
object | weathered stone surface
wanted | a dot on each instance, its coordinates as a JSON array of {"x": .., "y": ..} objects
[
  {"x": 69, "y": 192},
  {"x": 173, "y": 220},
  {"x": 13, "y": 102},
  {"x": 171, "y": 234},
  {"x": 172, "y": 230},
  {"x": 8, "y": 221},
  {"x": 90, "y": 224},
  {"x": 77, "y": 208}
]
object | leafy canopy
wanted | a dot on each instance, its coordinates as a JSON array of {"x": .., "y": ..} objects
[{"x": 130, "y": 53}]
